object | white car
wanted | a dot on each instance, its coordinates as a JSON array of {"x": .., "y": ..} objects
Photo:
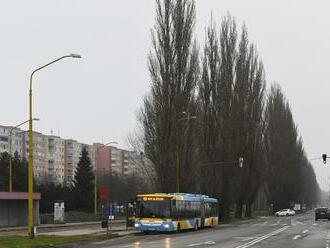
[{"x": 285, "y": 212}]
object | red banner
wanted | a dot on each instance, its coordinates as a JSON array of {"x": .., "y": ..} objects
[{"x": 104, "y": 193}]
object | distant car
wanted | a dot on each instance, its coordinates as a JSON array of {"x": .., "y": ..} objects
[
  {"x": 285, "y": 212},
  {"x": 322, "y": 213}
]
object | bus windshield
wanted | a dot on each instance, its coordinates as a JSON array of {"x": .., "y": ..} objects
[{"x": 153, "y": 209}]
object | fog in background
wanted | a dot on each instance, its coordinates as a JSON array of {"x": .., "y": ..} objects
[{"x": 95, "y": 99}]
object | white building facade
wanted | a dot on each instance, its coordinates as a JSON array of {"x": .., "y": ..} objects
[{"x": 56, "y": 161}]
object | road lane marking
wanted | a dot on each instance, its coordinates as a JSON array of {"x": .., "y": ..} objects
[
  {"x": 138, "y": 243},
  {"x": 245, "y": 238},
  {"x": 305, "y": 231},
  {"x": 202, "y": 243},
  {"x": 257, "y": 240},
  {"x": 296, "y": 237}
]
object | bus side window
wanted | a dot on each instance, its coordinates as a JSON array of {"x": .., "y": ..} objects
[
  {"x": 214, "y": 209},
  {"x": 207, "y": 209},
  {"x": 178, "y": 209},
  {"x": 174, "y": 209}
]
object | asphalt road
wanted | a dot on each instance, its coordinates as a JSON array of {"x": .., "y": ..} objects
[{"x": 300, "y": 231}]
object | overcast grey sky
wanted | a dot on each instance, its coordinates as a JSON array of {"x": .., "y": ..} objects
[{"x": 97, "y": 97}]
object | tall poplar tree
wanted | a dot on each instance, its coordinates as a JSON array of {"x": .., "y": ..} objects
[{"x": 168, "y": 133}]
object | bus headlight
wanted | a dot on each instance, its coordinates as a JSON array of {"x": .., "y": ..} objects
[
  {"x": 166, "y": 226},
  {"x": 137, "y": 225}
]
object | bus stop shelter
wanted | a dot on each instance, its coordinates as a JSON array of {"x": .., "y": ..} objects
[{"x": 14, "y": 209}]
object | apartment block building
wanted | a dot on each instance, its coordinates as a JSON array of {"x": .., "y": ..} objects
[
  {"x": 56, "y": 161},
  {"x": 102, "y": 159},
  {"x": 114, "y": 161},
  {"x": 17, "y": 139},
  {"x": 40, "y": 155},
  {"x": 71, "y": 158},
  {"x": 91, "y": 154}
]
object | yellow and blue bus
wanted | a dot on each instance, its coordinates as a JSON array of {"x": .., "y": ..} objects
[{"x": 175, "y": 212}]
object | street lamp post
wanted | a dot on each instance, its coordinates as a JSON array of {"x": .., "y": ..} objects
[
  {"x": 95, "y": 177},
  {"x": 177, "y": 152},
  {"x": 10, "y": 186},
  {"x": 30, "y": 168}
]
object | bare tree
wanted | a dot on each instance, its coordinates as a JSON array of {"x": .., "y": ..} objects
[
  {"x": 231, "y": 103},
  {"x": 173, "y": 67},
  {"x": 290, "y": 175}
]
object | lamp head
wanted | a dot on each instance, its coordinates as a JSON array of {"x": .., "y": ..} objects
[
  {"x": 74, "y": 55},
  {"x": 36, "y": 119}
]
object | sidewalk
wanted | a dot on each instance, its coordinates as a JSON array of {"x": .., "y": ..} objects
[
  {"x": 70, "y": 229},
  {"x": 62, "y": 225},
  {"x": 116, "y": 230}
]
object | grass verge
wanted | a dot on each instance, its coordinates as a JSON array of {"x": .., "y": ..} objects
[{"x": 45, "y": 241}]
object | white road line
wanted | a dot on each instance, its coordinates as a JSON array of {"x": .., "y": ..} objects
[
  {"x": 137, "y": 244},
  {"x": 244, "y": 238},
  {"x": 257, "y": 240},
  {"x": 296, "y": 237},
  {"x": 305, "y": 231},
  {"x": 202, "y": 243},
  {"x": 247, "y": 239}
]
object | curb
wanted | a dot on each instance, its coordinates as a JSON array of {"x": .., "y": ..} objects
[{"x": 50, "y": 226}]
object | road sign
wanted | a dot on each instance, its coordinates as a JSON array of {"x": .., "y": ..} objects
[{"x": 112, "y": 210}]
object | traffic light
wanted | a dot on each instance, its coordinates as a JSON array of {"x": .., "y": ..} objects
[
  {"x": 240, "y": 162},
  {"x": 324, "y": 156}
]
